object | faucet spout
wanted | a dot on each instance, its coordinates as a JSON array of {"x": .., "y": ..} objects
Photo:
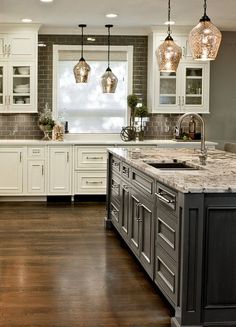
[{"x": 203, "y": 155}]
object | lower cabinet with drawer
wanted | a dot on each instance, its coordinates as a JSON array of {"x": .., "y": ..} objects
[
  {"x": 90, "y": 169},
  {"x": 36, "y": 170}
]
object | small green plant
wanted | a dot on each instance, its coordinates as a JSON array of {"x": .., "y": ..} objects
[
  {"x": 132, "y": 101},
  {"x": 141, "y": 112}
]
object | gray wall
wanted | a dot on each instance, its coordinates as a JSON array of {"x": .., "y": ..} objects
[{"x": 221, "y": 123}]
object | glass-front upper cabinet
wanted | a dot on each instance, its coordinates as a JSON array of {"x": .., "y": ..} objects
[
  {"x": 17, "y": 88},
  {"x": 195, "y": 91},
  {"x": 183, "y": 91},
  {"x": 20, "y": 87}
]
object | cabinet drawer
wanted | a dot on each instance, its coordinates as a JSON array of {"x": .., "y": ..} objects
[
  {"x": 166, "y": 198},
  {"x": 167, "y": 234},
  {"x": 143, "y": 182},
  {"x": 115, "y": 187},
  {"x": 125, "y": 171},
  {"x": 115, "y": 164},
  {"x": 90, "y": 182},
  {"x": 36, "y": 152},
  {"x": 166, "y": 274},
  {"x": 90, "y": 157},
  {"x": 115, "y": 214}
]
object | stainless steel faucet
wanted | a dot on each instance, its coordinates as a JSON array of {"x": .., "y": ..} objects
[{"x": 203, "y": 155}]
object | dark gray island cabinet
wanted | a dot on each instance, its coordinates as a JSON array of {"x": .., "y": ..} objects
[{"x": 186, "y": 241}]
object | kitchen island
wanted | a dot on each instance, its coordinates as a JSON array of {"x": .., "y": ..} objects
[{"x": 180, "y": 223}]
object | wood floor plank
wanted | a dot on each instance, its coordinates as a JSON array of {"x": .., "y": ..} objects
[{"x": 59, "y": 267}]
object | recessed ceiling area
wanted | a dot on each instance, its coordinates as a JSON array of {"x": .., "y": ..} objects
[{"x": 140, "y": 14}]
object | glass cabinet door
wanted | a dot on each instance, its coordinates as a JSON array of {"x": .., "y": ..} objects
[
  {"x": 194, "y": 86},
  {"x": 167, "y": 89},
  {"x": 21, "y": 85}
]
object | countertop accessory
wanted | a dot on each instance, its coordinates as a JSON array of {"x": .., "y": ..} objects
[
  {"x": 204, "y": 39},
  {"x": 168, "y": 53},
  {"x": 46, "y": 123},
  {"x": 128, "y": 133},
  {"x": 82, "y": 69},
  {"x": 109, "y": 80}
]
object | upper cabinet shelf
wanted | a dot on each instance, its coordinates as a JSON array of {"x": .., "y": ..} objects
[
  {"x": 187, "y": 90},
  {"x": 18, "y": 68}
]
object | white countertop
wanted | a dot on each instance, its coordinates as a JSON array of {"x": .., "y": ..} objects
[
  {"x": 218, "y": 176},
  {"x": 97, "y": 142}
]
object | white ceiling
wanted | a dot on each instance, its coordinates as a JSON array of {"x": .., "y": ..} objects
[{"x": 133, "y": 14}]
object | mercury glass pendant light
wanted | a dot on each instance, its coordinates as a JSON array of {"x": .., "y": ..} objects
[
  {"x": 82, "y": 69},
  {"x": 204, "y": 39},
  {"x": 168, "y": 53},
  {"x": 109, "y": 80}
]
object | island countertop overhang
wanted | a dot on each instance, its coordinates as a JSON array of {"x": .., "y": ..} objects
[{"x": 218, "y": 176}]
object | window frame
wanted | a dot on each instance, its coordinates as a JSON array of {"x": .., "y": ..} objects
[{"x": 57, "y": 48}]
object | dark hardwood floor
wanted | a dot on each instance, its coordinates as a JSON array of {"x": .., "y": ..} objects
[{"x": 60, "y": 268}]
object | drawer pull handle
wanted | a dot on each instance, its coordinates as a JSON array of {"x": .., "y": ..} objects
[
  {"x": 93, "y": 182},
  {"x": 36, "y": 151},
  {"x": 42, "y": 170},
  {"x": 116, "y": 164},
  {"x": 94, "y": 158},
  {"x": 114, "y": 212},
  {"x": 115, "y": 186},
  {"x": 162, "y": 198},
  {"x": 126, "y": 187}
]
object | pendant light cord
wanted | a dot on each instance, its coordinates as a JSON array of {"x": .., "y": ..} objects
[
  {"x": 82, "y": 41},
  {"x": 169, "y": 31},
  {"x": 109, "y": 45},
  {"x": 205, "y": 7}
]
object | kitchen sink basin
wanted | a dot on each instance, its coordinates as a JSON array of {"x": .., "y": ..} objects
[{"x": 171, "y": 165}]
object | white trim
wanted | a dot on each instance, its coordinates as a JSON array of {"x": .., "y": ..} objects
[
  {"x": 59, "y": 30},
  {"x": 56, "y": 48}
]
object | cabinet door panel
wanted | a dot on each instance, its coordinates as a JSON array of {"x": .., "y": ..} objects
[
  {"x": 36, "y": 177},
  {"x": 21, "y": 46},
  {"x": 59, "y": 170},
  {"x": 134, "y": 223},
  {"x": 125, "y": 210},
  {"x": 146, "y": 235},
  {"x": 11, "y": 169}
]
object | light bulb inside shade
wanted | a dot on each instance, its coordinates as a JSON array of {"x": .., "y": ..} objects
[
  {"x": 81, "y": 71},
  {"x": 204, "y": 41},
  {"x": 109, "y": 81},
  {"x": 168, "y": 55}
]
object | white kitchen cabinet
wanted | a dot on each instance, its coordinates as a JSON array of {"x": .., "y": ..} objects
[
  {"x": 36, "y": 177},
  {"x": 11, "y": 168},
  {"x": 59, "y": 170},
  {"x": 17, "y": 88},
  {"x": 36, "y": 170},
  {"x": 90, "y": 169},
  {"x": 17, "y": 46},
  {"x": 18, "y": 68},
  {"x": 187, "y": 90}
]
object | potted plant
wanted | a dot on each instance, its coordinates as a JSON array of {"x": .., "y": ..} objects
[
  {"x": 46, "y": 123},
  {"x": 132, "y": 101},
  {"x": 141, "y": 112}
]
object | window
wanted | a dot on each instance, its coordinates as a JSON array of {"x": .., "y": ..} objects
[{"x": 84, "y": 106}]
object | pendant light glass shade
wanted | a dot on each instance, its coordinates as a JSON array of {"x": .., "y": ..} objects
[
  {"x": 109, "y": 80},
  {"x": 81, "y": 69},
  {"x": 204, "y": 39},
  {"x": 168, "y": 53}
]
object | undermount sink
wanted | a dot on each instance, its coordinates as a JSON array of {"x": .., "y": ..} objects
[{"x": 173, "y": 165}]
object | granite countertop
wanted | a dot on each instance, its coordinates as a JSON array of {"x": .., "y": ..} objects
[{"x": 219, "y": 174}]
